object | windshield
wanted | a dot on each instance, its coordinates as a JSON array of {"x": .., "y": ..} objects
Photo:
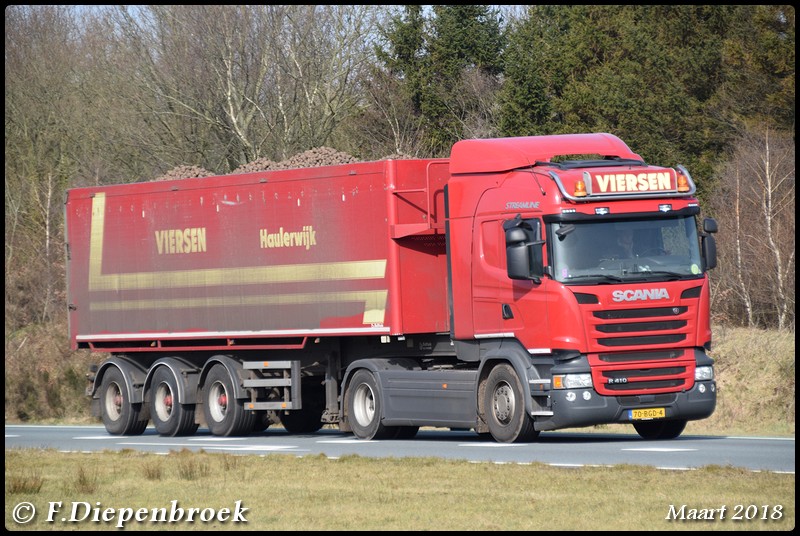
[{"x": 625, "y": 250}]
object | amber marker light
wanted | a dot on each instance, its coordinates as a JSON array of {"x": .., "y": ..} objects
[
  {"x": 683, "y": 183},
  {"x": 580, "y": 189}
]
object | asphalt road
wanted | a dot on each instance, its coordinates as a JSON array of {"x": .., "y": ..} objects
[{"x": 552, "y": 448}]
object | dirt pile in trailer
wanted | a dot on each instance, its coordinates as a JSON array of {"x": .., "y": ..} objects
[
  {"x": 184, "y": 172},
  {"x": 320, "y": 156}
]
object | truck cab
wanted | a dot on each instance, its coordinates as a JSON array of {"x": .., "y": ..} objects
[{"x": 587, "y": 267}]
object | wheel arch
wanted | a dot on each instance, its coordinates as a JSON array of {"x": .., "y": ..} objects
[
  {"x": 375, "y": 366},
  {"x": 186, "y": 377},
  {"x": 235, "y": 370},
  {"x": 512, "y": 353},
  {"x": 133, "y": 373}
]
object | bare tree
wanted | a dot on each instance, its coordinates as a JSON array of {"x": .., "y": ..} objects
[
  {"x": 756, "y": 206},
  {"x": 236, "y": 83},
  {"x": 387, "y": 123},
  {"x": 42, "y": 77}
]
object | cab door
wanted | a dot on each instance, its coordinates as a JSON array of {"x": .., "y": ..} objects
[{"x": 505, "y": 307}]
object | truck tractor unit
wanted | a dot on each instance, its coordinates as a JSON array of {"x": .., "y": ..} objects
[{"x": 521, "y": 285}]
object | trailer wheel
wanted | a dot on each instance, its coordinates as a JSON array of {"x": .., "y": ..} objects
[
  {"x": 225, "y": 415},
  {"x": 659, "y": 429},
  {"x": 505, "y": 407},
  {"x": 364, "y": 409},
  {"x": 120, "y": 416},
  {"x": 169, "y": 417}
]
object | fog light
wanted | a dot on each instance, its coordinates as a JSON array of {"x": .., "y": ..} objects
[
  {"x": 587, "y": 395},
  {"x": 571, "y": 396},
  {"x": 701, "y": 387}
]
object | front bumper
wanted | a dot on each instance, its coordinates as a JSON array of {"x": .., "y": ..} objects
[{"x": 572, "y": 408}]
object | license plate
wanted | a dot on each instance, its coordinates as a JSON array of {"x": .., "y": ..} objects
[{"x": 645, "y": 414}]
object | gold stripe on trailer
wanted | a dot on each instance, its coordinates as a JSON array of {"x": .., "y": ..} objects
[
  {"x": 290, "y": 273},
  {"x": 374, "y": 302}
]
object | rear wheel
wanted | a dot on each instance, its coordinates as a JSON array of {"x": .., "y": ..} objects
[
  {"x": 120, "y": 416},
  {"x": 504, "y": 404},
  {"x": 169, "y": 417},
  {"x": 659, "y": 429},
  {"x": 364, "y": 408},
  {"x": 225, "y": 415}
]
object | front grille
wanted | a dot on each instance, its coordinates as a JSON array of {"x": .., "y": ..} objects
[
  {"x": 641, "y": 326},
  {"x": 643, "y": 373},
  {"x": 642, "y": 350},
  {"x": 640, "y": 313},
  {"x": 637, "y": 386},
  {"x": 642, "y": 340},
  {"x": 628, "y": 357}
]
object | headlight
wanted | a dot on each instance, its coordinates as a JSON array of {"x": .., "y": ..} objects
[
  {"x": 703, "y": 373},
  {"x": 572, "y": 381}
]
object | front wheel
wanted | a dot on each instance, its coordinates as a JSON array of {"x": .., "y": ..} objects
[
  {"x": 659, "y": 429},
  {"x": 170, "y": 417},
  {"x": 120, "y": 416},
  {"x": 504, "y": 404},
  {"x": 225, "y": 415}
]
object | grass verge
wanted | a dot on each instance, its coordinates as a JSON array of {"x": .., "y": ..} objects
[{"x": 284, "y": 492}]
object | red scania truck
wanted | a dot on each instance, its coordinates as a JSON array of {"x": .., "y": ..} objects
[{"x": 523, "y": 284}]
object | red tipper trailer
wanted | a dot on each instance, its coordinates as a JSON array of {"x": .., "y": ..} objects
[
  {"x": 476, "y": 292},
  {"x": 235, "y": 261}
]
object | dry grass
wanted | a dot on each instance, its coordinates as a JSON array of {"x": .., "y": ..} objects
[
  {"x": 353, "y": 493},
  {"x": 756, "y": 379}
]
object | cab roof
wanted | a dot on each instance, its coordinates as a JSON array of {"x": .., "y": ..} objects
[{"x": 504, "y": 154}]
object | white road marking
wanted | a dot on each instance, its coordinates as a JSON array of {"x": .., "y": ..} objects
[
  {"x": 660, "y": 449},
  {"x": 490, "y": 445},
  {"x": 227, "y": 447},
  {"x": 100, "y": 437},
  {"x": 215, "y": 439},
  {"x": 348, "y": 441}
]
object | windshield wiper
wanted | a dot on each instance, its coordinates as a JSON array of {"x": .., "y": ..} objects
[
  {"x": 608, "y": 277},
  {"x": 670, "y": 275}
]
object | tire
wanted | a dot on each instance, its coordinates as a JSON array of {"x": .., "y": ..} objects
[
  {"x": 504, "y": 403},
  {"x": 225, "y": 415},
  {"x": 308, "y": 419},
  {"x": 120, "y": 416},
  {"x": 169, "y": 417},
  {"x": 364, "y": 408},
  {"x": 656, "y": 430}
]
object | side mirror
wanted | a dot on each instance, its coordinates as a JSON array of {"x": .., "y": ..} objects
[
  {"x": 523, "y": 251},
  {"x": 709, "y": 243},
  {"x": 709, "y": 251}
]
